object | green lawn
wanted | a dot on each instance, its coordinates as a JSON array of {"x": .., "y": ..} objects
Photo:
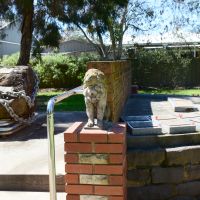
[
  {"x": 73, "y": 103},
  {"x": 191, "y": 92}
]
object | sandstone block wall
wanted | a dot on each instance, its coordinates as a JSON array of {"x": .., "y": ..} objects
[
  {"x": 95, "y": 163},
  {"x": 118, "y": 74},
  {"x": 164, "y": 174}
]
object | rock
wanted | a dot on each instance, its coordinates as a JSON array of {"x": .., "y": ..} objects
[{"x": 20, "y": 78}]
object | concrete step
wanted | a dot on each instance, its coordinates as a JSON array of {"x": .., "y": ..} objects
[
  {"x": 19, "y": 195},
  {"x": 30, "y": 182}
]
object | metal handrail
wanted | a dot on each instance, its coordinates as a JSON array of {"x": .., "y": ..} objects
[{"x": 50, "y": 134}]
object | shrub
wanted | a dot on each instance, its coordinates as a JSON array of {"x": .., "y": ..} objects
[
  {"x": 62, "y": 71},
  {"x": 10, "y": 60}
]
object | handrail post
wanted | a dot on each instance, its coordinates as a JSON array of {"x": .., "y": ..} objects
[
  {"x": 51, "y": 148},
  {"x": 50, "y": 136}
]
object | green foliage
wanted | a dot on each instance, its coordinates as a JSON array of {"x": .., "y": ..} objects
[
  {"x": 165, "y": 68},
  {"x": 62, "y": 71}
]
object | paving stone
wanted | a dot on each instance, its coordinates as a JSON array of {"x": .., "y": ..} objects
[
  {"x": 178, "y": 126},
  {"x": 163, "y": 117},
  {"x": 167, "y": 175},
  {"x": 182, "y": 105},
  {"x": 138, "y": 177},
  {"x": 152, "y": 192},
  {"x": 196, "y": 121},
  {"x": 145, "y": 158},
  {"x": 183, "y": 155},
  {"x": 189, "y": 115},
  {"x": 189, "y": 188},
  {"x": 145, "y": 127}
]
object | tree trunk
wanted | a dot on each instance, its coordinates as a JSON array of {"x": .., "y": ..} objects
[{"x": 26, "y": 30}]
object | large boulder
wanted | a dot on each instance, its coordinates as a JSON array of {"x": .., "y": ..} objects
[{"x": 13, "y": 83}]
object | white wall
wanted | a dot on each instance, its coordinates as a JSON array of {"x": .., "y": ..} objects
[{"x": 12, "y": 39}]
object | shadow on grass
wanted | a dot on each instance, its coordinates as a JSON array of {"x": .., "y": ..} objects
[{"x": 73, "y": 103}]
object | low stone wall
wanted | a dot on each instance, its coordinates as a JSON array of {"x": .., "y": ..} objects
[
  {"x": 164, "y": 174},
  {"x": 118, "y": 74},
  {"x": 95, "y": 163}
]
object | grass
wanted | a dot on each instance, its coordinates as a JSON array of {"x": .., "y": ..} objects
[
  {"x": 190, "y": 92},
  {"x": 73, "y": 103}
]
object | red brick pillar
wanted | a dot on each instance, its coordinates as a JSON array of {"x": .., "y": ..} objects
[{"x": 95, "y": 163}]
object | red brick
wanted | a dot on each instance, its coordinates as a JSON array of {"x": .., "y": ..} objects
[
  {"x": 71, "y": 158},
  {"x": 116, "y": 198},
  {"x": 117, "y": 134},
  {"x": 79, "y": 189},
  {"x": 88, "y": 135},
  {"x": 108, "y": 190},
  {"x": 116, "y": 158},
  {"x": 71, "y": 134},
  {"x": 109, "y": 148},
  {"x": 108, "y": 169},
  {"x": 78, "y": 147},
  {"x": 116, "y": 180},
  {"x": 72, "y": 197},
  {"x": 78, "y": 168},
  {"x": 72, "y": 178}
]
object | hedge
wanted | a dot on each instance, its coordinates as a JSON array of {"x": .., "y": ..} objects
[{"x": 165, "y": 68}]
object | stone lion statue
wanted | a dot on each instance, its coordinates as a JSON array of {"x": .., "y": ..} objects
[{"x": 95, "y": 93}]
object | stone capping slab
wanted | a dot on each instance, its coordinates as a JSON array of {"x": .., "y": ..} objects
[{"x": 145, "y": 127}]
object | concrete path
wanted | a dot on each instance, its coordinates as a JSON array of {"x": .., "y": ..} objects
[{"x": 26, "y": 153}]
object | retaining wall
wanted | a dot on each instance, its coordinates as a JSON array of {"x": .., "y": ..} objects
[{"x": 164, "y": 173}]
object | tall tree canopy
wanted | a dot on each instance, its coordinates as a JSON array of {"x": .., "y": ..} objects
[
  {"x": 35, "y": 18},
  {"x": 103, "y": 21}
]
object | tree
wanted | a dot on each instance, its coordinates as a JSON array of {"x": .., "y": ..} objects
[
  {"x": 35, "y": 18},
  {"x": 93, "y": 18},
  {"x": 103, "y": 22}
]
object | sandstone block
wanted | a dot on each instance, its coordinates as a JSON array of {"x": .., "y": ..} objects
[
  {"x": 183, "y": 155},
  {"x": 167, "y": 175},
  {"x": 145, "y": 158},
  {"x": 192, "y": 172},
  {"x": 94, "y": 179},
  {"x": 138, "y": 177},
  {"x": 189, "y": 188},
  {"x": 152, "y": 192},
  {"x": 93, "y": 197},
  {"x": 93, "y": 158},
  {"x": 183, "y": 198}
]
